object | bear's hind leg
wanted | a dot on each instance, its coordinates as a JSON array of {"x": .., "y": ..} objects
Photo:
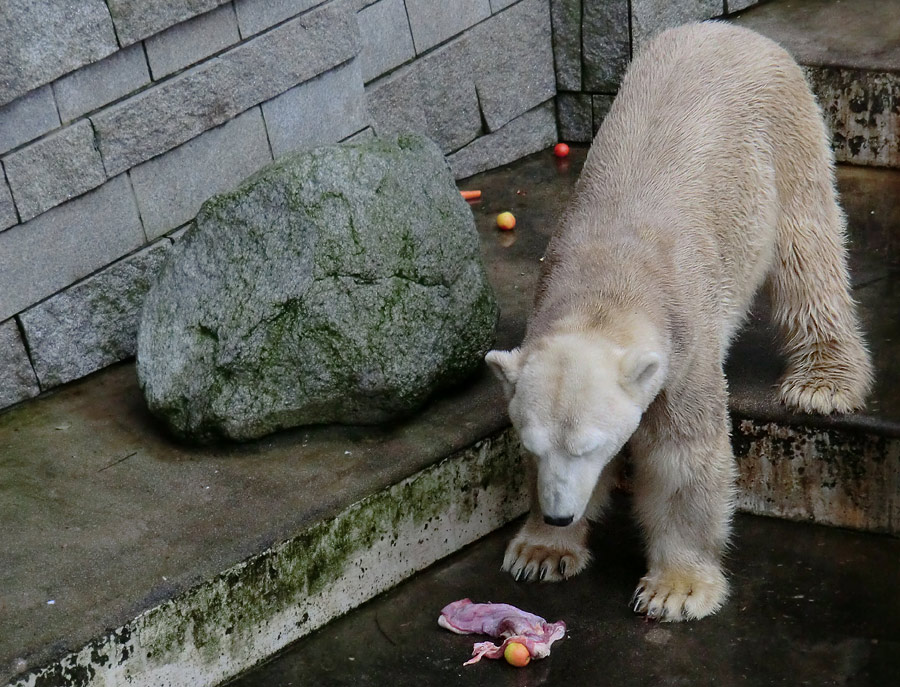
[
  {"x": 545, "y": 553},
  {"x": 683, "y": 494},
  {"x": 829, "y": 369}
]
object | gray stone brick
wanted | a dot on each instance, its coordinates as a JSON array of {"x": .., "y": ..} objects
[
  {"x": 649, "y": 17},
  {"x": 737, "y": 5},
  {"x": 17, "y": 380},
  {"x": 574, "y": 115},
  {"x": 322, "y": 110},
  {"x": 61, "y": 246},
  {"x": 511, "y": 57},
  {"x": 432, "y": 97},
  {"x": 434, "y": 21},
  {"x": 93, "y": 323},
  {"x": 257, "y": 15},
  {"x": 137, "y": 19},
  {"x": 360, "y": 136},
  {"x": 171, "y": 188},
  {"x": 43, "y": 40},
  {"x": 600, "y": 107},
  {"x": 54, "y": 169},
  {"x": 605, "y": 44},
  {"x": 205, "y": 96},
  {"x": 191, "y": 41},
  {"x": 100, "y": 83},
  {"x": 396, "y": 103},
  {"x": 27, "y": 118},
  {"x": 7, "y": 209},
  {"x": 504, "y": 66},
  {"x": 386, "y": 38},
  {"x": 533, "y": 131},
  {"x": 566, "y": 19}
]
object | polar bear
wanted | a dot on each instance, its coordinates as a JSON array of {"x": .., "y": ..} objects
[{"x": 711, "y": 175}]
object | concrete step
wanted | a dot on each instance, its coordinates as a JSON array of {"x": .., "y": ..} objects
[
  {"x": 839, "y": 470},
  {"x": 851, "y": 53},
  {"x": 809, "y": 605},
  {"x": 128, "y": 559}
]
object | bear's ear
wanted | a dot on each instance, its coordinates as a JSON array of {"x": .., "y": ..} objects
[
  {"x": 506, "y": 366},
  {"x": 641, "y": 371}
]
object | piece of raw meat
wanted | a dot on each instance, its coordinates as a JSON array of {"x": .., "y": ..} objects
[{"x": 500, "y": 620}]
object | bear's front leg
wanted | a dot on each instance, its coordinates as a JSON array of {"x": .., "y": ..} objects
[
  {"x": 683, "y": 495},
  {"x": 547, "y": 553}
]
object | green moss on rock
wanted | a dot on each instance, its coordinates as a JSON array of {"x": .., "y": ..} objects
[{"x": 340, "y": 284}]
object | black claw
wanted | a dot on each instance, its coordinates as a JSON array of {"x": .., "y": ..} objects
[{"x": 544, "y": 570}]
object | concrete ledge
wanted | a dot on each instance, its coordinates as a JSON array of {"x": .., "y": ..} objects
[
  {"x": 852, "y": 60},
  {"x": 862, "y": 111},
  {"x": 827, "y": 476},
  {"x": 250, "y": 611}
]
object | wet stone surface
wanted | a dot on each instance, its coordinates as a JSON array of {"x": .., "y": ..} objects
[{"x": 809, "y": 606}]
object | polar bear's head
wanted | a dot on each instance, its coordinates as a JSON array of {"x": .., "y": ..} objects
[{"x": 575, "y": 399}]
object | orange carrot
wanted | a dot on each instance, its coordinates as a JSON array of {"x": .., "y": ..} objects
[{"x": 470, "y": 195}]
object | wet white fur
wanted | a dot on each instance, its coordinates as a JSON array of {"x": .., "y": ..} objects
[{"x": 711, "y": 176}]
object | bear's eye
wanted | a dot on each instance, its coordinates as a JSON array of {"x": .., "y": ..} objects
[
  {"x": 535, "y": 439},
  {"x": 584, "y": 442}
]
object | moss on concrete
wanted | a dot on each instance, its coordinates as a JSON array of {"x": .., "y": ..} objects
[{"x": 253, "y": 609}]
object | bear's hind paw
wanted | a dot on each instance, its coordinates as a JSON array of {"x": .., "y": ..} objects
[
  {"x": 816, "y": 394},
  {"x": 828, "y": 379},
  {"x": 680, "y": 595}
]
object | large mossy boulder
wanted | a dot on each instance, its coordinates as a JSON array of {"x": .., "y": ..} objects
[{"x": 340, "y": 284}]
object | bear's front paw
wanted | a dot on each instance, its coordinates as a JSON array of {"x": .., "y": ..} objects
[
  {"x": 546, "y": 553},
  {"x": 675, "y": 595}
]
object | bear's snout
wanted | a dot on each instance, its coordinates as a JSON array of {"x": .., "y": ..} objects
[{"x": 559, "y": 522}]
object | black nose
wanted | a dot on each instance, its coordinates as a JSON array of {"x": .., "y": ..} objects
[{"x": 559, "y": 522}]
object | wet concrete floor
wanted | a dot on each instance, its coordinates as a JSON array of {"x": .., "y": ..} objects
[
  {"x": 809, "y": 606},
  {"x": 836, "y": 33}
]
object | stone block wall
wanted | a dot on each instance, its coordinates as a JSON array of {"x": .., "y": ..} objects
[
  {"x": 118, "y": 118},
  {"x": 593, "y": 41}
]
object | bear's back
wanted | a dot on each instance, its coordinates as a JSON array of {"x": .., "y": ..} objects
[
  {"x": 683, "y": 177},
  {"x": 697, "y": 97}
]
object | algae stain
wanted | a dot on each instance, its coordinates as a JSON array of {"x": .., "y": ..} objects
[
  {"x": 215, "y": 625},
  {"x": 240, "y": 600}
]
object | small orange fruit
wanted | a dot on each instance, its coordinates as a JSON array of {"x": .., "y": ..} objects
[
  {"x": 517, "y": 655},
  {"x": 506, "y": 221},
  {"x": 560, "y": 150}
]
